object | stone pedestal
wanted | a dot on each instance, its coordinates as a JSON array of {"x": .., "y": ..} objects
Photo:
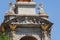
[{"x": 26, "y": 8}]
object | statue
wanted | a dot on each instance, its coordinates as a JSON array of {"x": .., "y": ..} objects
[
  {"x": 12, "y": 7},
  {"x": 41, "y": 8}
]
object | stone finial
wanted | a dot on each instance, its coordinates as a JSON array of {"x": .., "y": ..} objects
[
  {"x": 41, "y": 8},
  {"x": 42, "y": 13}
]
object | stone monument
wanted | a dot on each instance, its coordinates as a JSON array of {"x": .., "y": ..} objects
[{"x": 23, "y": 23}]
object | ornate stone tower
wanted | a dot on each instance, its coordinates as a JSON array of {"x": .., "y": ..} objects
[{"x": 22, "y": 23}]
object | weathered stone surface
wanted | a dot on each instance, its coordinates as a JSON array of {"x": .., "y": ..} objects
[
  {"x": 21, "y": 32},
  {"x": 26, "y": 8}
]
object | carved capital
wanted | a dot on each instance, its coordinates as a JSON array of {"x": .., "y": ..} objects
[
  {"x": 12, "y": 27},
  {"x": 44, "y": 27}
]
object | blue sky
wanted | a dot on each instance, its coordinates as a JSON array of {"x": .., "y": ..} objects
[{"x": 52, "y": 7}]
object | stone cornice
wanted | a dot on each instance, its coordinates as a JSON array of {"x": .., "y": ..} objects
[{"x": 26, "y": 3}]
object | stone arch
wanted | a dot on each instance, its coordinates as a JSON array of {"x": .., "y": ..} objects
[{"x": 28, "y": 38}]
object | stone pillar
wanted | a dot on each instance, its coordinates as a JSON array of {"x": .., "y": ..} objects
[
  {"x": 12, "y": 28},
  {"x": 45, "y": 35}
]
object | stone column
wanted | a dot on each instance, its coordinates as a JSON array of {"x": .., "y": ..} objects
[
  {"x": 12, "y": 28},
  {"x": 45, "y": 35}
]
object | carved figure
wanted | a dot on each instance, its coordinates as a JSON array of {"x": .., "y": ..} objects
[{"x": 12, "y": 7}]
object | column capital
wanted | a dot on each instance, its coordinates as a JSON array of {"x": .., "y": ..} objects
[
  {"x": 44, "y": 27},
  {"x": 12, "y": 27}
]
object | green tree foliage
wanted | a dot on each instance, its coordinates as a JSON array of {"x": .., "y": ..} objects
[{"x": 4, "y": 37}]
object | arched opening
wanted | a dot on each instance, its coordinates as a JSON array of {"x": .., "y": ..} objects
[{"x": 28, "y": 38}]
